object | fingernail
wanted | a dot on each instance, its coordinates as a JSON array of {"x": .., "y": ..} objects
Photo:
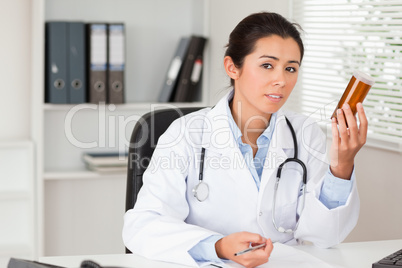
[
  {"x": 339, "y": 111},
  {"x": 345, "y": 106},
  {"x": 359, "y": 105}
]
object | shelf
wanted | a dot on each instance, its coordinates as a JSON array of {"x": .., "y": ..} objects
[
  {"x": 14, "y": 195},
  {"x": 63, "y": 132},
  {"x": 80, "y": 175},
  {"x": 150, "y": 40},
  {"x": 12, "y": 250},
  {"x": 124, "y": 107}
]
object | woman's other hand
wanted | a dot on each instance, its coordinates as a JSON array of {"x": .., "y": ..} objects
[
  {"x": 347, "y": 140},
  {"x": 229, "y": 245}
]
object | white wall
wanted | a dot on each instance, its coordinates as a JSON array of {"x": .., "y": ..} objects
[
  {"x": 85, "y": 216},
  {"x": 15, "y": 55},
  {"x": 224, "y": 16},
  {"x": 16, "y": 189},
  {"x": 379, "y": 180}
]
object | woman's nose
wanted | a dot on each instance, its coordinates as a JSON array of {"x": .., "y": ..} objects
[{"x": 279, "y": 79}]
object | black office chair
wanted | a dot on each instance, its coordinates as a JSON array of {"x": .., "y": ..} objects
[{"x": 142, "y": 144}]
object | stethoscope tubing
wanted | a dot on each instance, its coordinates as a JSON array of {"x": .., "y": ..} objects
[
  {"x": 278, "y": 177},
  {"x": 202, "y": 186}
]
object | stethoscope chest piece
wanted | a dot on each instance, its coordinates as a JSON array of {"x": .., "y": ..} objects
[{"x": 201, "y": 191}]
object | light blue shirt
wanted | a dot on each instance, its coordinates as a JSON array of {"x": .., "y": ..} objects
[
  {"x": 254, "y": 163},
  {"x": 334, "y": 191}
]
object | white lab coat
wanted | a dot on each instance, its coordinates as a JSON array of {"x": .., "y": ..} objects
[{"x": 167, "y": 220}]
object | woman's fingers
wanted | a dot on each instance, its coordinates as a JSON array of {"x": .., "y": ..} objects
[
  {"x": 351, "y": 122},
  {"x": 254, "y": 239},
  {"x": 335, "y": 143},
  {"x": 350, "y": 133},
  {"x": 230, "y": 244},
  {"x": 335, "y": 132},
  {"x": 342, "y": 127},
  {"x": 268, "y": 247},
  {"x": 363, "y": 123}
]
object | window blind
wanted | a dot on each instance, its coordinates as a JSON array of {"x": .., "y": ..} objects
[{"x": 341, "y": 36}]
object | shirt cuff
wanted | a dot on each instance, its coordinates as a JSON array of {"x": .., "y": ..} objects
[
  {"x": 335, "y": 191},
  {"x": 205, "y": 250}
]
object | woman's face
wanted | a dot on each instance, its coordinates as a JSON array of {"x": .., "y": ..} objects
[{"x": 268, "y": 75}]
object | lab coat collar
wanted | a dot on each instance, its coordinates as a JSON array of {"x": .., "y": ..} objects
[
  {"x": 217, "y": 135},
  {"x": 282, "y": 136}
]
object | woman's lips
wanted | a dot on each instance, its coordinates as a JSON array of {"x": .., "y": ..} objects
[{"x": 274, "y": 97}]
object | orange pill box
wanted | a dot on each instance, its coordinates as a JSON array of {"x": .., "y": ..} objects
[{"x": 356, "y": 91}]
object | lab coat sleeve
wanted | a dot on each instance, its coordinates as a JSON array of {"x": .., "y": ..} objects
[
  {"x": 155, "y": 228},
  {"x": 205, "y": 250},
  {"x": 335, "y": 191},
  {"x": 318, "y": 224}
]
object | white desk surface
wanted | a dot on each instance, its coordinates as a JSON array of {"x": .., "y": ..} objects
[
  {"x": 349, "y": 255},
  {"x": 354, "y": 255}
]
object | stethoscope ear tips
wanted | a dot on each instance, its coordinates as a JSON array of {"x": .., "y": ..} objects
[{"x": 283, "y": 230}]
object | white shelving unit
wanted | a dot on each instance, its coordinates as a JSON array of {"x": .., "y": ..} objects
[
  {"x": 62, "y": 133},
  {"x": 153, "y": 29},
  {"x": 17, "y": 201}
]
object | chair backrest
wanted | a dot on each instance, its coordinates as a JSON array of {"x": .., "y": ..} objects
[{"x": 142, "y": 144}]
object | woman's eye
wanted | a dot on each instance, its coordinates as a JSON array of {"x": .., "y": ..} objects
[
  {"x": 291, "y": 69},
  {"x": 267, "y": 66}
]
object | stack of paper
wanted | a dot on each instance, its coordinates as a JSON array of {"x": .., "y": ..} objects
[
  {"x": 284, "y": 256},
  {"x": 106, "y": 161}
]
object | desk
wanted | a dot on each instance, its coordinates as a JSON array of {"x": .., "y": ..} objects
[
  {"x": 349, "y": 255},
  {"x": 354, "y": 255}
]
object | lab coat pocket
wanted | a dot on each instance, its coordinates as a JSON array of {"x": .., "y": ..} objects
[{"x": 287, "y": 197}]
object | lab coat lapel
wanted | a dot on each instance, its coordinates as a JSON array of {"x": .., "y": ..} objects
[
  {"x": 216, "y": 134},
  {"x": 218, "y": 138},
  {"x": 281, "y": 141}
]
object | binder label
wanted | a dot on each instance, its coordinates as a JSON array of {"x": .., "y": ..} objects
[
  {"x": 174, "y": 68},
  {"x": 116, "y": 47},
  {"x": 98, "y": 47},
  {"x": 196, "y": 73}
]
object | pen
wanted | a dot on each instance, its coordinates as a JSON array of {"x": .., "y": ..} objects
[{"x": 249, "y": 249}]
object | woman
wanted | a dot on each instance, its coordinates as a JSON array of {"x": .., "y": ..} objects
[{"x": 246, "y": 137}]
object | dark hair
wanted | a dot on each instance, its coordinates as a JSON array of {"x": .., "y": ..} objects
[{"x": 245, "y": 35}]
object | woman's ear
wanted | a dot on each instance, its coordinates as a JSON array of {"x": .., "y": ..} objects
[{"x": 230, "y": 68}]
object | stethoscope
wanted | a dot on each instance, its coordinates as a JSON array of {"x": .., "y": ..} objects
[
  {"x": 278, "y": 177},
  {"x": 201, "y": 190}
]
